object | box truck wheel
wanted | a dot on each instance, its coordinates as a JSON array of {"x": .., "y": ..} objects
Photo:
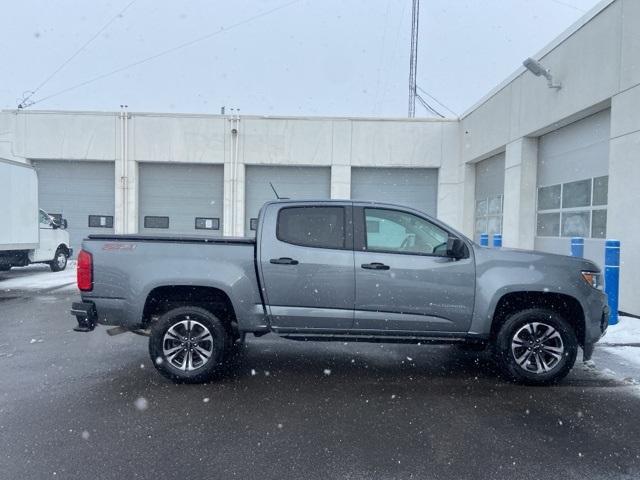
[{"x": 59, "y": 262}]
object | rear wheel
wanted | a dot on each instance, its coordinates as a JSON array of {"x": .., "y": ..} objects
[
  {"x": 536, "y": 347},
  {"x": 188, "y": 345},
  {"x": 59, "y": 262}
]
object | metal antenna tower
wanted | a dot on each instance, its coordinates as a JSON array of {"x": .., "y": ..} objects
[{"x": 413, "y": 57}]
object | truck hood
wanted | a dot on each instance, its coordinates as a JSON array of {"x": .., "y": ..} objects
[{"x": 535, "y": 259}]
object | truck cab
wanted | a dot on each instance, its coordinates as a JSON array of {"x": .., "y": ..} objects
[{"x": 54, "y": 242}]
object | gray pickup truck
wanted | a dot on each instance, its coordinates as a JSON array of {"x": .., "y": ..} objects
[{"x": 341, "y": 271}]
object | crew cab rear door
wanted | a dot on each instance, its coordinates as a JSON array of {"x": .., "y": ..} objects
[{"x": 306, "y": 265}]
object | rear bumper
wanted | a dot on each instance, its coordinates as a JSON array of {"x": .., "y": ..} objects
[
  {"x": 86, "y": 316},
  {"x": 107, "y": 311}
]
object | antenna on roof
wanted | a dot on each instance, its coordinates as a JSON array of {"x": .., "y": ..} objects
[{"x": 274, "y": 190}]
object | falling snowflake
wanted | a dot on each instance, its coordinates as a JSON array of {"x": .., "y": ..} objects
[
  {"x": 85, "y": 435},
  {"x": 206, "y": 399},
  {"x": 141, "y": 404},
  {"x": 326, "y": 371},
  {"x": 253, "y": 372}
]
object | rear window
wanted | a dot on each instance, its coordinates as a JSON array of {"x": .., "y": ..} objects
[{"x": 320, "y": 227}]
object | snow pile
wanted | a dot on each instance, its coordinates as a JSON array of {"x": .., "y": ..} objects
[
  {"x": 37, "y": 277},
  {"x": 625, "y": 332},
  {"x": 620, "y": 339}
]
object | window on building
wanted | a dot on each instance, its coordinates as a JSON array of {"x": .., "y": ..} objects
[
  {"x": 156, "y": 222},
  {"x": 321, "y": 227},
  {"x": 574, "y": 209},
  {"x": 253, "y": 224},
  {"x": 101, "y": 221},
  {"x": 489, "y": 215},
  {"x": 204, "y": 223}
]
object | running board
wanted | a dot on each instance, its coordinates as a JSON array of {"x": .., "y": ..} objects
[{"x": 305, "y": 337}]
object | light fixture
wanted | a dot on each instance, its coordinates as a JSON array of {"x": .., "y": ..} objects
[{"x": 538, "y": 70}]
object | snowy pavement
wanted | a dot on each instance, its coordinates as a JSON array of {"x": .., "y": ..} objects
[
  {"x": 93, "y": 406},
  {"x": 618, "y": 353},
  {"x": 37, "y": 277}
]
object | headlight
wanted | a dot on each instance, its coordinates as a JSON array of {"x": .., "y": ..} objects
[{"x": 593, "y": 278}]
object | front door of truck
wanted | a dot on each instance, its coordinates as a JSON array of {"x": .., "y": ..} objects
[
  {"x": 405, "y": 280},
  {"x": 306, "y": 266}
]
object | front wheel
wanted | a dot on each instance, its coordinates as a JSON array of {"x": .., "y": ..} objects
[
  {"x": 59, "y": 262},
  {"x": 188, "y": 344},
  {"x": 536, "y": 347}
]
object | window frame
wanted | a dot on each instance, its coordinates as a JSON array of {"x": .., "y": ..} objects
[
  {"x": 144, "y": 222},
  {"x": 214, "y": 220},
  {"x": 360, "y": 233},
  {"x": 348, "y": 232},
  {"x": 99, "y": 226},
  {"x": 486, "y": 216},
  {"x": 568, "y": 210}
]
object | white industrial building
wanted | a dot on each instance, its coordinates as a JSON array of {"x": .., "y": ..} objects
[{"x": 536, "y": 163}]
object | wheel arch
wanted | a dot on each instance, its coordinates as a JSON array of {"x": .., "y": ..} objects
[
  {"x": 565, "y": 305},
  {"x": 163, "y": 298}
]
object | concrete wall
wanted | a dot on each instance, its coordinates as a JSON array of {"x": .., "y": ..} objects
[
  {"x": 338, "y": 143},
  {"x": 598, "y": 62}
]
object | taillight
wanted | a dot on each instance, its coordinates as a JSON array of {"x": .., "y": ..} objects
[{"x": 85, "y": 271}]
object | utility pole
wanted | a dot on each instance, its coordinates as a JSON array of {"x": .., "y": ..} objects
[{"x": 413, "y": 57}]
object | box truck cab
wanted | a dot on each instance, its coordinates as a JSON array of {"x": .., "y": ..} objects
[{"x": 28, "y": 234}]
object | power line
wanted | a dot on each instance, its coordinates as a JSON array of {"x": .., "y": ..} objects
[
  {"x": 169, "y": 50},
  {"x": 436, "y": 100},
  {"x": 25, "y": 100},
  {"x": 426, "y": 105},
  {"x": 565, "y": 4}
]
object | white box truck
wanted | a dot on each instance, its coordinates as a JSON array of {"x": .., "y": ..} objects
[{"x": 27, "y": 234}]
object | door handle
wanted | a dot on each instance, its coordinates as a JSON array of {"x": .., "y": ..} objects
[
  {"x": 375, "y": 266},
  {"x": 284, "y": 261}
]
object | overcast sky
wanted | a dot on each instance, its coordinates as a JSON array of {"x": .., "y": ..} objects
[{"x": 312, "y": 57}]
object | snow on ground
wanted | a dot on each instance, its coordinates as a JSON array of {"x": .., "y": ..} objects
[
  {"x": 37, "y": 277},
  {"x": 626, "y": 331},
  {"x": 620, "y": 338}
]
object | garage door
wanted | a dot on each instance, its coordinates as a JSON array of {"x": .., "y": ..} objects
[
  {"x": 180, "y": 198},
  {"x": 413, "y": 187},
  {"x": 82, "y": 192},
  {"x": 573, "y": 169},
  {"x": 489, "y": 195},
  {"x": 297, "y": 183}
]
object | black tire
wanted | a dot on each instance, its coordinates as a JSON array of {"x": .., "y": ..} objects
[
  {"x": 5, "y": 268},
  {"x": 59, "y": 261},
  {"x": 557, "y": 353},
  {"x": 168, "y": 365}
]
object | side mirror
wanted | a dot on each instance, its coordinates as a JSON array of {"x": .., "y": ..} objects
[
  {"x": 54, "y": 225},
  {"x": 456, "y": 248},
  {"x": 64, "y": 223}
]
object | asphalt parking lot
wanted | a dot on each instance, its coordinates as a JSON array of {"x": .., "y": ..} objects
[{"x": 91, "y": 406}]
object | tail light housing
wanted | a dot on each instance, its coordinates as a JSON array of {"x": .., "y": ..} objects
[{"x": 84, "y": 271}]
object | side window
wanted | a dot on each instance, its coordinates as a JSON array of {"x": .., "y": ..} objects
[
  {"x": 44, "y": 219},
  {"x": 320, "y": 227},
  {"x": 401, "y": 232}
]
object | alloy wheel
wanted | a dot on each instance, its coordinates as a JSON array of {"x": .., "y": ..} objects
[
  {"x": 187, "y": 345},
  {"x": 537, "y": 347}
]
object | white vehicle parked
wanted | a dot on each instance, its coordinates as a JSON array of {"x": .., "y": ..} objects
[{"x": 27, "y": 234}]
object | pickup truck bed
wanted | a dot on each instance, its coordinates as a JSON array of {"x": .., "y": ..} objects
[{"x": 341, "y": 270}]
